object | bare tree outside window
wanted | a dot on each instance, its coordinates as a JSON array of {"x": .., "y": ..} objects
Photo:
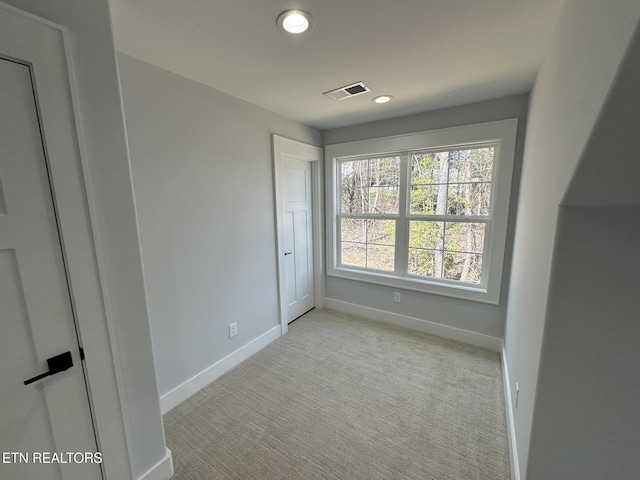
[
  {"x": 369, "y": 192},
  {"x": 453, "y": 186}
]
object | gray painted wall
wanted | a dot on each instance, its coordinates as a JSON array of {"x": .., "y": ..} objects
[
  {"x": 125, "y": 396},
  {"x": 566, "y": 101},
  {"x": 585, "y": 422},
  {"x": 202, "y": 170},
  {"x": 476, "y": 317},
  {"x": 586, "y": 419}
]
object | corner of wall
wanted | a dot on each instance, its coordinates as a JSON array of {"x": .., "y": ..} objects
[
  {"x": 199, "y": 381},
  {"x": 163, "y": 470}
]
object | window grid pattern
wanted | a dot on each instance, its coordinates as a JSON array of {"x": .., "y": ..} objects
[
  {"x": 369, "y": 196},
  {"x": 448, "y": 211}
]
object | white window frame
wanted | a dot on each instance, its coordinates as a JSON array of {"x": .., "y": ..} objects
[{"x": 501, "y": 133}]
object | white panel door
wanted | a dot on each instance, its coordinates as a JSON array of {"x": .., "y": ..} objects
[
  {"x": 297, "y": 216},
  {"x": 51, "y": 415}
]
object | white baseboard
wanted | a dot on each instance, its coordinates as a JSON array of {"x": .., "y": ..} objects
[
  {"x": 452, "y": 333},
  {"x": 183, "y": 391},
  {"x": 511, "y": 432},
  {"x": 163, "y": 470}
]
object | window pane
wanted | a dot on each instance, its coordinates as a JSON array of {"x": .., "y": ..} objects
[
  {"x": 429, "y": 177},
  {"x": 423, "y": 263},
  {"x": 355, "y": 173},
  {"x": 370, "y": 185},
  {"x": 368, "y": 243},
  {"x": 426, "y": 243},
  {"x": 454, "y": 182},
  {"x": 355, "y": 200},
  {"x": 381, "y": 232},
  {"x": 383, "y": 199},
  {"x": 429, "y": 167},
  {"x": 471, "y": 165},
  {"x": 464, "y": 267},
  {"x": 353, "y": 230},
  {"x": 380, "y": 257},
  {"x": 384, "y": 178},
  {"x": 354, "y": 254},
  {"x": 464, "y": 237},
  {"x": 471, "y": 199},
  {"x": 424, "y": 199},
  {"x": 354, "y": 191},
  {"x": 424, "y": 234}
]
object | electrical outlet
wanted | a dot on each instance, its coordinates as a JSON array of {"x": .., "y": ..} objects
[
  {"x": 517, "y": 394},
  {"x": 233, "y": 329},
  {"x": 397, "y": 297}
]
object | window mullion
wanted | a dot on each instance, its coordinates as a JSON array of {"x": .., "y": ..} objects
[
  {"x": 337, "y": 210},
  {"x": 402, "y": 225}
]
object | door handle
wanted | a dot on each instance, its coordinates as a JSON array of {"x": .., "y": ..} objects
[
  {"x": 287, "y": 253},
  {"x": 56, "y": 364}
]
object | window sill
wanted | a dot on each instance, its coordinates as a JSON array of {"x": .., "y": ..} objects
[{"x": 460, "y": 291}]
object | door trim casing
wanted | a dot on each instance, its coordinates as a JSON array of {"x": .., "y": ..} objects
[
  {"x": 71, "y": 193},
  {"x": 312, "y": 154}
]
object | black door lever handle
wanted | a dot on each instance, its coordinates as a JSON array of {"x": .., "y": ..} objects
[{"x": 56, "y": 364}]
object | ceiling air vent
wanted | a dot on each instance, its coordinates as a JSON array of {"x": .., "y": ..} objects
[{"x": 348, "y": 91}]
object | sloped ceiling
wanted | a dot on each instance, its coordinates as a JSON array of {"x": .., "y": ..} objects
[{"x": 428, "y": 54}]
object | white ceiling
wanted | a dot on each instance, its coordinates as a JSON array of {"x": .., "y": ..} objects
[{"x": 428, "y": 54}]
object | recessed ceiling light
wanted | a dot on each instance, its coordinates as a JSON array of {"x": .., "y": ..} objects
[
  {"x": 383, "y": 99},
  {"x": 294, "y": 21}
]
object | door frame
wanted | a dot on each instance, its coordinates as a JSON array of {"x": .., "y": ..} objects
[
  {"x": 314, "y": 155},
  {"x": 67, "y": 164}
]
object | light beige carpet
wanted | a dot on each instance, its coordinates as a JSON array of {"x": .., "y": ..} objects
[{"x": 342, "y": 397}]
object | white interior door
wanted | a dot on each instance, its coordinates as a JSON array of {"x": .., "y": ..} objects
[
  {"x": 297, "y": 216},
  {"x": 52, "y": 415}
]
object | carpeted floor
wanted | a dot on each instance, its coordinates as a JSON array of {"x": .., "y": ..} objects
[{"x": 341, "y": 397}]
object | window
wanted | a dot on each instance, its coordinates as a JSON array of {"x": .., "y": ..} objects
[{"x": 425, "y": 212}]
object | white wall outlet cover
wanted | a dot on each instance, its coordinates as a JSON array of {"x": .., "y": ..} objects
[{"x": 233, "y": 329}]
